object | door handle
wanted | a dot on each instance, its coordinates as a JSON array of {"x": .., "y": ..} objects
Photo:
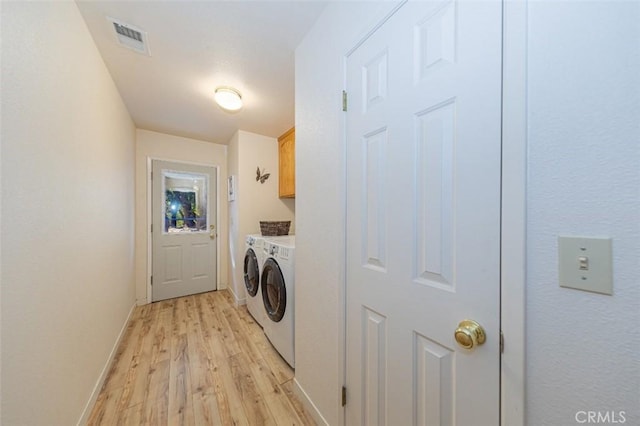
[
  {"x": 470, "y": 334},
  {"x": 212, "y": 232}
]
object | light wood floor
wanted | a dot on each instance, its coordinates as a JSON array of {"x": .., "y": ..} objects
[{"x": 197, "y": 360}]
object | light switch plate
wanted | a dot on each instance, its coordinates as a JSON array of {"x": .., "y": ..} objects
[{"x": 585, "y": 263}]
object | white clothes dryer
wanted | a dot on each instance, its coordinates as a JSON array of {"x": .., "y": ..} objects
[
  {"x": 253, "y": 260},
  {"x": 285, "y": 239},
  {"x": 278, "y": 295}
]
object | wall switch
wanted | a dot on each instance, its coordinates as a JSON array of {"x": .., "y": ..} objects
[{"x": 585, "y": 264}]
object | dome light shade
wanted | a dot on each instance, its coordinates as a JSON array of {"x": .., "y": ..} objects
[{"x": 228, "y": 98}]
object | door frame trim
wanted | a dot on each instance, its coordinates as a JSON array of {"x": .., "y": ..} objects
[
  {"x": 149, "y": 218},
  {"x": 513, "y": 210}
]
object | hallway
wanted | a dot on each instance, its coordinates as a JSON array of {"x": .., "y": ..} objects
[{"x": 197, "y": 360}]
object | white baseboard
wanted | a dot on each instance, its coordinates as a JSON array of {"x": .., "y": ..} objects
[
  {"x": 308, "y": 404},
  {"x": 103, "y": 375}
]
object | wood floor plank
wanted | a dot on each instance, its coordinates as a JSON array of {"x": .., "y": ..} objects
[
  {"x": 180, "y": 316},
  {"x": 134, "y": 388},
  {"x": 105, "y": 412},
  {"x": 197, "y": 360},
  {"x": 253, "y": 402},
  {"x": 274, "y": 396},
  {"x": 277, "y": 364},
  {"x": 180, "y": 403},
  {"x": 161, "y": 349},
  {"x": 247, "y": 319},
  {"x": 120, "y": 367},
  {"x": 131, "y": 416},
  {"x": 227, "y": 394},
  {"x": 156, "y": 413},
  {"x": 229, "y": 409},
  {"x": 155, "y": 407},
  {"x": 230, "y": 346},
  {"x": 287, "y": 387},
  {"x": 201, "y": 360},
  {"x": 205, "y": 409},
  {"x": 242, "y": 334}
]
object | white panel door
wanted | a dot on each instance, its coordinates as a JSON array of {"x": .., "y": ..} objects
[
  {"x": 184, "y": 235},
  {"x": 423, "y": 216}
]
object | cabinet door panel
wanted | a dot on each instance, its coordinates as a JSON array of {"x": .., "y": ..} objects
[{"x": 287, "y": 164}]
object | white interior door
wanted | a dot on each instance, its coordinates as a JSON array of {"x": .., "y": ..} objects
[
  {"x": 423, "y": 216},
  {"x": 183, "y": 233}
]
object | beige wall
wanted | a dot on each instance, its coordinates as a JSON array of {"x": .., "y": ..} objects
[
  {"x": 160, "y": 146},
  {"x": 67, "y": 199},
  {"x": 254, "y": 201}
]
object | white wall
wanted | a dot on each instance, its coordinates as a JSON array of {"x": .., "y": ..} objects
[
  {"x": 320, "y": 200},
  {"x": 584, "y": 179},
  {"x": 255, "y": 201},
  {"x": 160, "y": 146},
  {"x": 67, "y": 204}
]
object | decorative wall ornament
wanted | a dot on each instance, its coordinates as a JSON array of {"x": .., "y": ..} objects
[{"x": 261, "y": 176}]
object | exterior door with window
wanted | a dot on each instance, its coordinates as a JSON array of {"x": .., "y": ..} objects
[
  {"x": 423, "y": 217},
  {"x": 184, "y": 229}
]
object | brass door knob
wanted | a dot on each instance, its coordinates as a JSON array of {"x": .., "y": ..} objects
[{"x": 470, "y": 334}]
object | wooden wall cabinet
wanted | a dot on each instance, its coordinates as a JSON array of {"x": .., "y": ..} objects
[{"x": 287, "y": 164}]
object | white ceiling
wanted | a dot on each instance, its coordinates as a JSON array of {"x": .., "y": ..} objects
[{"x": 197, "y": 46}]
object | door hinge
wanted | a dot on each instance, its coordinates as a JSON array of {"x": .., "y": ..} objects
[
  {"x": 501, "y": 342},
  {"x": 152, "y": 227},
  {"x": 344, "y": 100},
  {"x": 344, "y": 396},
  {"x": 151, "y": 279}
]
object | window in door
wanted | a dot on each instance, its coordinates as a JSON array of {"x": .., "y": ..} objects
[{"x": 185, "y": 201}]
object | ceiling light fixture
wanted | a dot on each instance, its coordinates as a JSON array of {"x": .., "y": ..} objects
[{"x": 228, "y": 98}]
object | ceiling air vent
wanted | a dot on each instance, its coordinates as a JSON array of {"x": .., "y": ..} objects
[{"x": 130, "y": 37}]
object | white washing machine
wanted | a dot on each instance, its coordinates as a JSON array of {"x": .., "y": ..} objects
[
  {"x": 277, "y": 284},
  {"x": 253, "y": 261}
]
